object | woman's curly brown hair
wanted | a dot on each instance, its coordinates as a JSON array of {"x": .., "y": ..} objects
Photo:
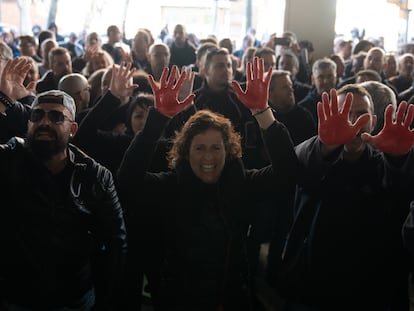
[{"x": 200, "y": 122}]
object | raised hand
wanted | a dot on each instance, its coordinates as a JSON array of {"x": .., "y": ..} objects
[
  {"x": 166, "y": 94},
  {"x": 257, "y": 87},
  {"x": 334, "y": 127},
  {"x": 12, "y": 77},
  {"x": 90, "y": 52},
  {"x": 396, "y": 137},
  {"x": 188, "y": 83},
  {"x": 121, "y": 85},
  {"x": 125, "y": 55}
]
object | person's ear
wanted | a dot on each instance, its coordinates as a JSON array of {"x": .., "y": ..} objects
[
  {"x": 312, "y": 79},
  {"x": 205, "y": 71},
  {"x": 73, "y": 129}
]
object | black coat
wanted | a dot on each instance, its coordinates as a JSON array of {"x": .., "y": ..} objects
[
  {"x": 54, "y": 227},
  {"x": 13, "y": 122},
  {"x": 102, "y": 145},
  {"x": 182, "y": 56},
  {"x": 310, "y": 103},
  {"x": 202, "y": 228},
  {"x": 299, "y": 122},
  {"x": 345, "y": 244}
]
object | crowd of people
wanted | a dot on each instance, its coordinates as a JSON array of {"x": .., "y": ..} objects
[{"x": 251, "y": 179}]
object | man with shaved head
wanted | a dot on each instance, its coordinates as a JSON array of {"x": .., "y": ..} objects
[
  {"x": 77, "y": 86},
  {"x": 159, "y": 57},
  {"x": 183, "y": 52}
]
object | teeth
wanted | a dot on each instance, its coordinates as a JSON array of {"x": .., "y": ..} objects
[{"x": 207, "y": 167}]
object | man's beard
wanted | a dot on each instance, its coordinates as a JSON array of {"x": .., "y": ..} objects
[
  {"x": 355, "y": 146},
  {"x": 45, "y": 149}
]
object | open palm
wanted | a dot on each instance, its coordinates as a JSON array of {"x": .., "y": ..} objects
[
  {"x": 166, "y": 95},
  {"x": 334, "y": 127},
  {"x": 396, "y": 137}
]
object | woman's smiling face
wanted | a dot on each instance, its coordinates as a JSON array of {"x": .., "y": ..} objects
[{"x": 208, "y": 155}]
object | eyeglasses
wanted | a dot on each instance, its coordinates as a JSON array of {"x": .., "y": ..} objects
[{"x": 55, "y": 116}]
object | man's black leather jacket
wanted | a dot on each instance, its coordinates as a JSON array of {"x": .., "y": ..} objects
[{"x": 61, "y": 235}]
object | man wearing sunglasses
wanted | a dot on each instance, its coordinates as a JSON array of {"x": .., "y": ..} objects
[{"x": 62, "y": 233}]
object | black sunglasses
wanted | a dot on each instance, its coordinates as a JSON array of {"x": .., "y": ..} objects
[{"x": 55, "y": 116}]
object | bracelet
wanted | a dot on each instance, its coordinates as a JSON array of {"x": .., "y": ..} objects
[
  {"x": 5, "y": 100},
  {"x": 261, "y": 111}
]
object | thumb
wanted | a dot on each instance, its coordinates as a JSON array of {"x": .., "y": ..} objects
[
  {"x": 132, "y": 87},
  {"x": 188, "y": 100},
  {"x": 152, "y": 83},
  {"x": 368, "y": 138},
  {"x": 237, "y": 88},
  {"x": 361, "y": 121},
  {"x": 31, "y": 87}
]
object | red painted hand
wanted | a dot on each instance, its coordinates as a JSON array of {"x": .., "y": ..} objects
[
  {"x": 257, "y": 87},
  {"x": 334, "y": 127},
  {"x": 166, "y": 95},
  {"x": 396, "y": 137}
]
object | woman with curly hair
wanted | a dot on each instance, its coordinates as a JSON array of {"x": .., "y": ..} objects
[{"x": 189, "y": 225}]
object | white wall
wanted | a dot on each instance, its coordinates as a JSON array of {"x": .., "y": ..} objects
[{"x": 312, "y": 20}]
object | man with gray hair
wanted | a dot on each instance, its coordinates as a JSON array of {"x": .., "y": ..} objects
[
  {"x": 323, "y": 79},
  {"x": 382, "y": 95}
]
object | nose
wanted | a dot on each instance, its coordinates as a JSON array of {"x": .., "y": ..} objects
[
  {"x": 228, "y": 70},
  {"x": 45, "y": 119},
  {"x": 208, "y": 155}
]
